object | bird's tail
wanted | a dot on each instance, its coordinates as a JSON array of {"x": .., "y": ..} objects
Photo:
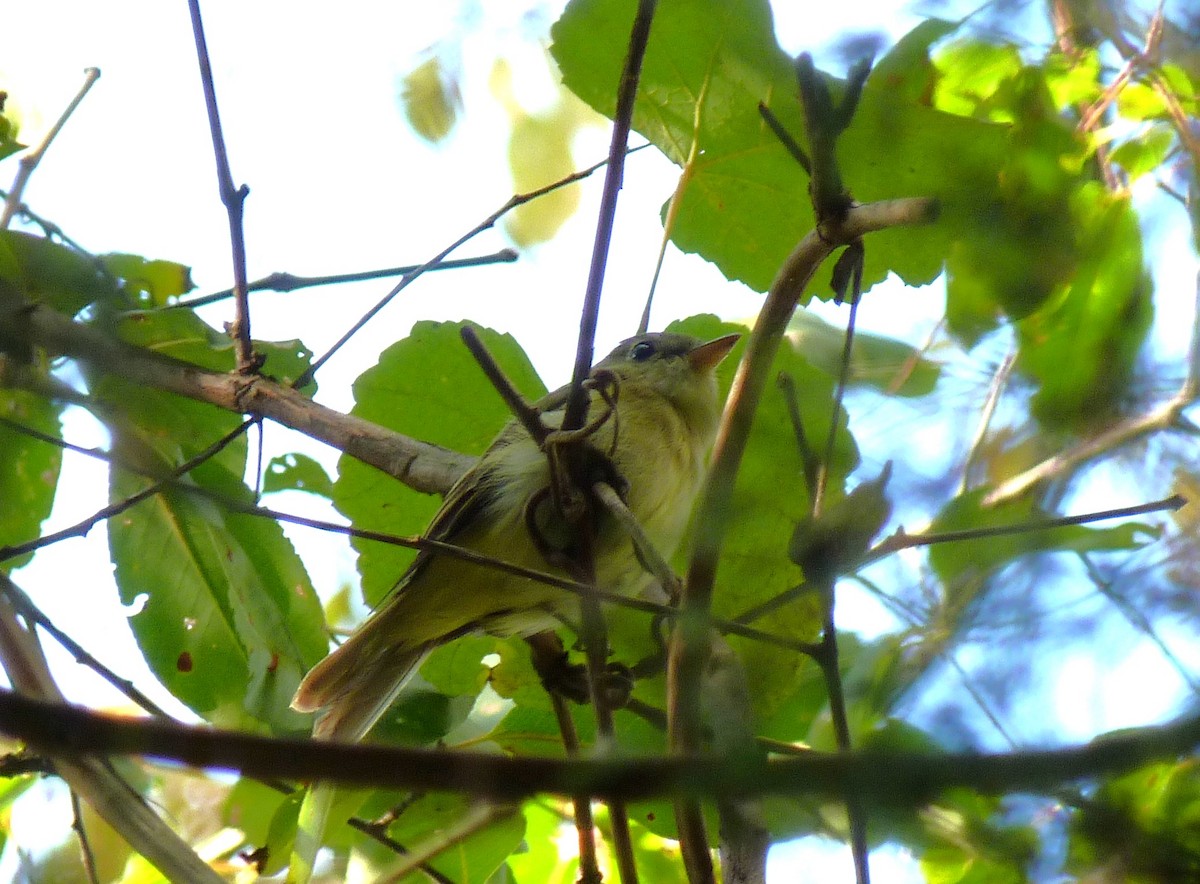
[{"x": 352, "y": 687}]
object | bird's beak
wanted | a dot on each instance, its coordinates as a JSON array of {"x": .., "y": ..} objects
[{"x": 710, "y": 354}]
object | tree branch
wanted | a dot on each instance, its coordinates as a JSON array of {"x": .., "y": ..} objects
[
  {"x": 713, "y": 513},
  {"x": 29, "y": 162},
  {"x": 877, "y": 776},
  {"x": 290, "y": 282},
  {"x": 93, "y": 778},
  {"x": 420, "y": 465}
]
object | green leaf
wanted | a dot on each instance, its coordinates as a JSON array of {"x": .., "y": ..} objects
[
  {"x": 470, "y": 861},
  {"x": 1139, "y": 101},
  {"x": 1146, "y": 820},
  {"x": 744, "y": 203},
  {"x": 1181, "y": 84},
  {"x": 29, "y": 469},
  {"x": 297, "y": 472},
  {"x": 834, "y": 543},
  {"x": 8, "y": 135},
  {"x": 285, "y": 361},
  {"x": 430, "y": 100},
  {"x": 1074, "y": 79},
  {"x": 1144, "y": 154},
  {"x": 950, "y": 863},
  {"x": 281, "y": 835},
  {"x": 229, "y": 621},
  {"x": 883, "y": 363},
  {"x": 430, "y": 387},
  {"x": 1018, "y": 242},
  {"x": 540, "y": 860},
  {"x": 420, "y": 717},
  {"x": 1081, "y": 347},
  {"x": 530, "y": 732},
  {"x": 180, "y": 334},
  {"x": 965, "y": 561},
  {"x": 45, "y": 272},
  {"x": 250, "y": 806},
  {"x": 457, "y": 668},
  {"x": 183, "y": 335},
  {"x": 971, "y": 74},
  {"x": 725, "y": 56},
  {"x": 149, "y": 283}
]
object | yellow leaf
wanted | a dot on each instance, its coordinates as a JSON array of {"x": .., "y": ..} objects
[{"x": 430, "y": 101}]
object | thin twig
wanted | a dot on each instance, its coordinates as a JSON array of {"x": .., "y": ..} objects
[
  {"x": 595, "y": 638},
  {"x": 648, "y": 554},
  {"x": 27, "y": 609},
  {"x": 685, "y": 177},
  {"x": 290, "y": 282},
  {"x": 475, "y": 820},
  {"x": 29, "y": 161},
  {"x": 909, "y": 614},
  {"x": 487, "y": 223},
  {"x": 81, "y": 528},
  {"x": 234, "y": 200},
  {"x": 49, "y": 229},
  {"x": 85, "y": 846},
  {"x": 785, "y": 138},
  {"x": 902, "y": 540},
  {"x": 999, "y": 379},
  {"x": 421, "y": 543},
  {"x": 829, "y": 658},
  {"x": 808, "y": 458},
  {"x": 830, "y": 668},
  {"x": 1139, "y": 621},
  {"x": 585, "y": 824},
  {"x": 835, "y": 418},
  {"x": 614, "y": 175},
  {"x": 530, "y": 417},
  {"x": 1090, "y": 117}
]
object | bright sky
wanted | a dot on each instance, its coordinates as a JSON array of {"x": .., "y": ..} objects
[{"x": 338, "y": 183}]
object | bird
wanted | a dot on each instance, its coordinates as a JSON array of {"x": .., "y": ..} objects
[{"x": 663, "y": 394}]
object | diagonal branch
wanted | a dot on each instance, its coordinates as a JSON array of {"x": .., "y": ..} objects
[
  {"x": 91, "y": 778},
  {"x": 713, "y": 512},
  {"x": 487, "y": 223},
  {"x": 29, "y": 162},
  {"x": 420, "y": 465},
  {"x": 1162, "y": 417}
]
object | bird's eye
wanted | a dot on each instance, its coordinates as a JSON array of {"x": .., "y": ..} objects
[{"x": 641, "y": 351}]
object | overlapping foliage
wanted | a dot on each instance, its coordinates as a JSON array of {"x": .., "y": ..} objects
[{"x": 1040, "y": 246}]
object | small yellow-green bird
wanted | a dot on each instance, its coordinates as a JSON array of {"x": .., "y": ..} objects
[{"x": 665, "y": 417}]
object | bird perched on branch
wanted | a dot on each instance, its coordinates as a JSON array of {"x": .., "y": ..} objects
[{"x": 653, "y": 414}]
